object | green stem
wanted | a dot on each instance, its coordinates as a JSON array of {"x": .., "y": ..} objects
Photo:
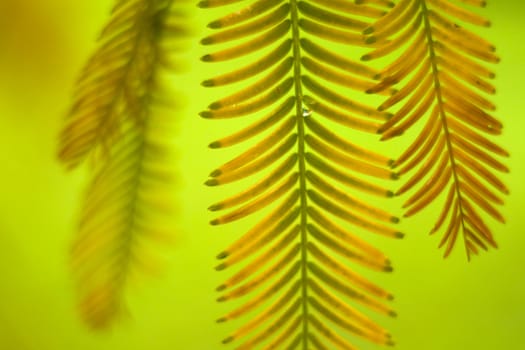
[
  {"x": 302, "y": 171},
  {"x": 437, "y": 87}
]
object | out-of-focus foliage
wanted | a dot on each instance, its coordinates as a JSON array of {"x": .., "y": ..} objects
[{"x": 118, "y": 122}]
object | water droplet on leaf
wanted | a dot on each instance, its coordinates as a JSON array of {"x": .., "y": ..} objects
[{"x": 307, "y": 112}]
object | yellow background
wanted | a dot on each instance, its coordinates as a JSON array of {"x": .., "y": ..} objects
[{"x": 448, "y": 304}]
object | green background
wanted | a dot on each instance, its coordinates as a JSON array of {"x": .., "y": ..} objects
[{"x": 442, "y": 304}]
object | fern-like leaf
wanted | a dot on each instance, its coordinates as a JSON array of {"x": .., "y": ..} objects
[
  {"x": 445, "y": 81},
  {"x": 125, "y": 208},
  {"x": 126, "y": 205},
  {"x": 294, "y": 281},
  {"x": 109, "y": 86}
]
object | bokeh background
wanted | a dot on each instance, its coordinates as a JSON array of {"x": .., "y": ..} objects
[{"x": 442, "y": 304}]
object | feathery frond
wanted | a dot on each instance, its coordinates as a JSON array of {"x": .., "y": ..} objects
[
  {"x": 293, "y": 271},
  {"x": 124, "y": 211},
  {"x": 444, "y": 84},
  {"x": 111, "y": 83},
  {"x": 127, "y": 205}
]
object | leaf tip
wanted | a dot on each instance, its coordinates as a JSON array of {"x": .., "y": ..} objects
[
  {"x": 206, "y": 41},
  {"x": 368, "y": 30},
  {"x": 370, "y": 40},
  {"x": 205, "y": 114},
  {"x": 215, "y": 207},
  {"x": 211, "y": 182},
  {"x": 220, "y": 267},
  {"x": 227, "y": 340},
  {"x": 216, "y": 173},
  {"x": 222, "y": 255},
  {"x": 214, "y": 25},
  {"x": 215, "y": 144},
  {"x": 215, "y": 105}
]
